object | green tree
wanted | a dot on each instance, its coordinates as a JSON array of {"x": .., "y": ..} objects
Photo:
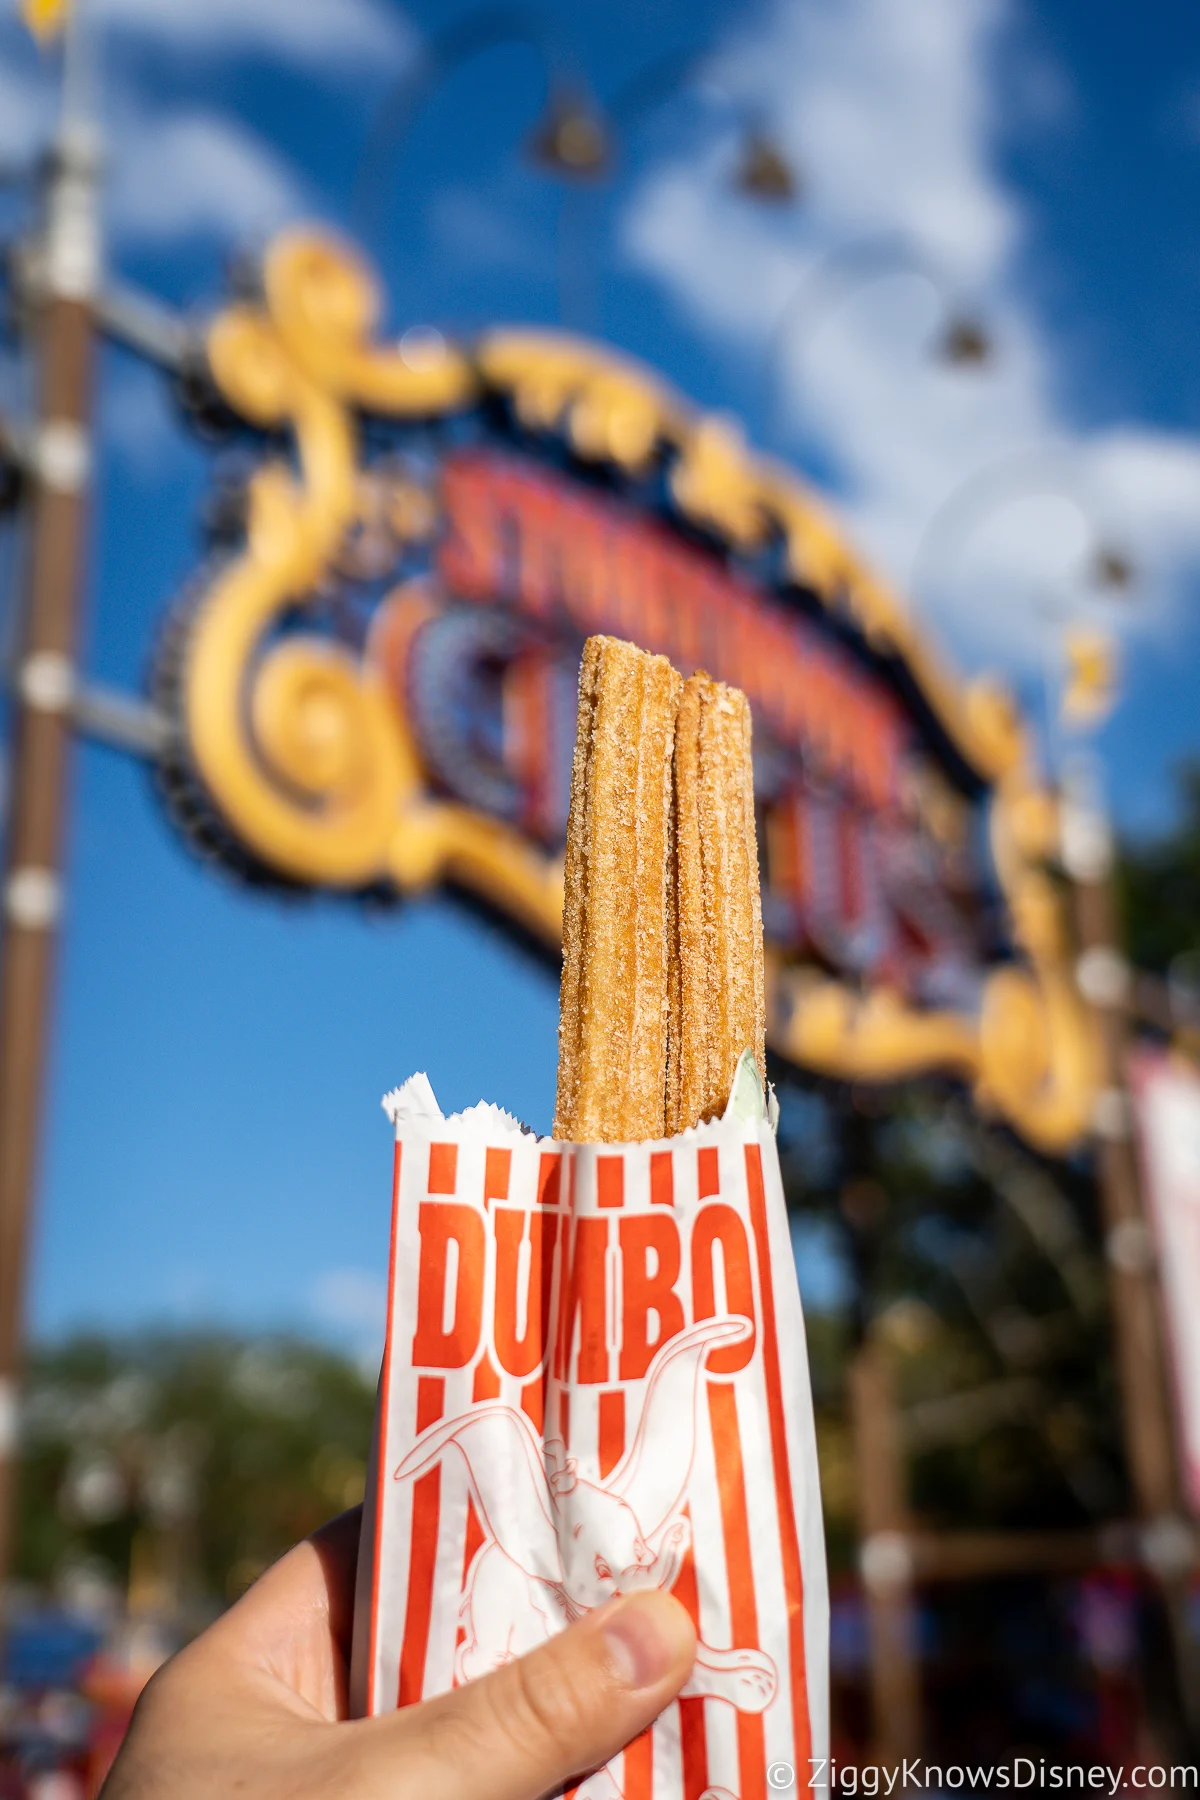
[
  {"x": 1160, "y": 885},
  {"x": 979, "y": 1265},
  {"x": 203, "y": 1456}
]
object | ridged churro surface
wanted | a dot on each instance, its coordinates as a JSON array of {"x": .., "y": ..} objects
[
  {"x": 612, "y": 1030},
  {"x": 717, "y": 988}
]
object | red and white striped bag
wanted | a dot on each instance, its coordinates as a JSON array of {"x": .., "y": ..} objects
[{"x": 595, "y": 1379}]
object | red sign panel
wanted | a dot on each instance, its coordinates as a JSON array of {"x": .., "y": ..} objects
[{"x": 531, "y": 561}]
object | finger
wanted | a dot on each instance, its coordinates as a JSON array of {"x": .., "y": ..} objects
[{"x": 568, "y": 1706}]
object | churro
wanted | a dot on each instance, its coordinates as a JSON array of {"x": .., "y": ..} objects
[
  {"x": 613, "y": 1001},
  {"x": 717, "y": 1000}
]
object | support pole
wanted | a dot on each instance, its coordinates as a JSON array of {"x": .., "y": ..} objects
[
  {"x": 65, "y": 280},
  {"x": 1104, "y": 978},
  {"x": 885, "y": 1558}
]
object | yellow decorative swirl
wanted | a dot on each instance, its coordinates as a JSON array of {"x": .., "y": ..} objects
[
  {"x": 1039, "y": 1060},
  {"x": 324, "y": 304},
  {"x": 608, "y": 409},
  {"x": 714, "y": 483},
  {"x": 316, "y": 812},
  {"x": 302, "y": 747},
  {"x": 315, "y": 726},
  {"x": 823, "y": 1025}
]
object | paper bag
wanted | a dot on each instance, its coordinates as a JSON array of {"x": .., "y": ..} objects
[{"x": 595, "y": 1379}]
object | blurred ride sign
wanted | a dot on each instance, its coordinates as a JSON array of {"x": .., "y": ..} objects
[
  {"x": 375, "y": 690},
  {"x": 1166, "y": 1091},
  {"x": 45, "y": 18}
]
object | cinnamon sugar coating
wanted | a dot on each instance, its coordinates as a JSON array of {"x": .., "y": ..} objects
[
  {"x": 718, "y": 997},
  {"x": 613, "y": 999},
  {"x": 662, "y": 983}
]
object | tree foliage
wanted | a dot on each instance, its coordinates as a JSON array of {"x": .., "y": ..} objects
[
  {"x": 203, "y": 1456},
  {"x": 1160, "y": 885},
  {"x": 978, "y": 1265}
]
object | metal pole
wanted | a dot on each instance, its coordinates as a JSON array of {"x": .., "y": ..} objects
[
  {"x": 65, "y": 274},
  {"x": 1167, "y": 1542},
  {"x": 885, "y": 1558}
]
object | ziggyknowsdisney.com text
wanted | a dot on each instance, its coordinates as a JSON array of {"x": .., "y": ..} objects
[{"x": 1021, "y": 1773}]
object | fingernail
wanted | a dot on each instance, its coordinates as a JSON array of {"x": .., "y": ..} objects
[{"x": 641, "y": 1645}]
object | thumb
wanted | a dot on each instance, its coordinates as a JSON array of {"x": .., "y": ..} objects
[{"x": 565, "y": 1708}]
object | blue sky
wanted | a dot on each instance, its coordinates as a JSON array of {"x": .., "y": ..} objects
[{"x": 214, "y": 1145}]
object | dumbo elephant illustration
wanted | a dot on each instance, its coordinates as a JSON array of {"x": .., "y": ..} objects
[{"x": 556, "y": 1544}]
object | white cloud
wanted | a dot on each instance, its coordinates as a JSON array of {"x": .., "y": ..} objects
[
  {"x": 887, "y": 106},
  {"x": 25, "y": 113},
  {"x": 325, "y": 34},
  {"x": 186, "y": 172},
  {"x": 167, "y": 174},
  {"x": 187, "y": 1291},
  {"x": 883, "y": 103},
  {"x": 172, "y": 173},
  {"x": 352, "y": 1303}
]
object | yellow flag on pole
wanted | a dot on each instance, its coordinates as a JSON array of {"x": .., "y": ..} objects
[
  {"x": 45, "y": 18},
  {"x": 1090, "y": 691}
]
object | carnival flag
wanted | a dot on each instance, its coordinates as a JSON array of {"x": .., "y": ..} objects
[
  {"x": 596, "y": 1380},
  {"x": 45, "y": 18},
  {"x": 1090, "y": 691}
]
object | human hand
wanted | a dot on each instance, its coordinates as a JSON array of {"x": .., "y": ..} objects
[{"x": 257, "y": 1704}]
